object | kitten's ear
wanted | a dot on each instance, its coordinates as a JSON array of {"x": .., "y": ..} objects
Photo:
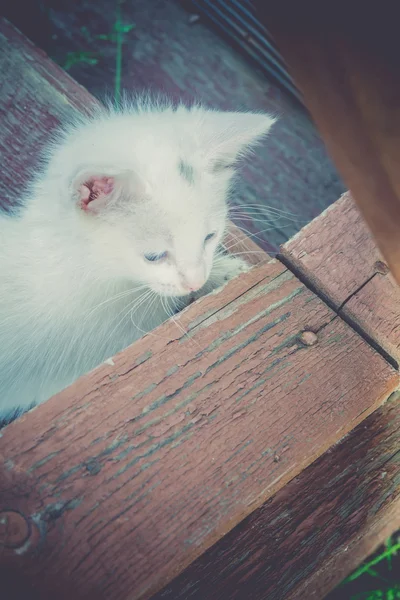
[
  {"x": 228, "y": 135},
  {"x": 96, "y": 192}
]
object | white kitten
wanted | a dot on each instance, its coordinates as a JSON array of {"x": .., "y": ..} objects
[{"x": 124, "y": 221}]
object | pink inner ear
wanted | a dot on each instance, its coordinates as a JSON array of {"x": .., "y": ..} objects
[{"x": 94, "y": 193}]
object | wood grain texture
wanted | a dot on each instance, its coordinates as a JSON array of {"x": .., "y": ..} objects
[
  {"x": 238, "y": 243},
  {"x": 30, "y": 110},
  {"x": 155, "y": 457},
  {"x": 345, "y": 57},
  {"x": 314, "y": 531},
  {"x": 338, "y": 256}
]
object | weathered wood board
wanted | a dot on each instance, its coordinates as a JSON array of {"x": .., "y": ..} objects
[
  {"x": 29, "y": 111},
  {"x": 238, "y": 243},
  {"x": 337, "y": 256},
  {"x": 345, "y": 58},
  {"x": 314, "y": 531},
  {"x": 160, "y": 454}
]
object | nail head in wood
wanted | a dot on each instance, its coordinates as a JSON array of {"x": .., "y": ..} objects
[
  {"x": 308, "y": 338},
  {"x": 14, "y": 529}
]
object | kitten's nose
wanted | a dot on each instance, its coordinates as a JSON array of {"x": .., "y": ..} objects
[
  {"x": 195, "y": 285},
  {"x": 194, "y": 280}
]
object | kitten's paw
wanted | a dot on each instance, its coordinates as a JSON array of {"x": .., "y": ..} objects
[
  {"x": 230, "y": 267},
  {"x": 225, "y": 268}
]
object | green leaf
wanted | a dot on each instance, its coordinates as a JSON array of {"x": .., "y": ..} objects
[
  {"x": 366, "y": 568},
  {"x": 121, "y": 28},
  {"x": 75, "y": 58},
  {"x": 373, "y": 595},
  {"x": 390, "y": 593},
  {"x": 373, "y": 573},
  {"x": 127, "y": 28}
]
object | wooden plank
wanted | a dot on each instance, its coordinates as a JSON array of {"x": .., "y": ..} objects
[
  {"x": 29, "y": 111},
  {"x": 337, "y": 255},
  {"x": 238, "y": 243},
  {"x": 348, "y": 69},
  {"x": 307, "y": 538},
  {"x": 133, "y": 472}
]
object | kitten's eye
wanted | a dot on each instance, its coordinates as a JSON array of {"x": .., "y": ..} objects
[
  {"x": 220, "y": 165},
  {"x": 155, "y": 257},
  {"x": 209, "y": 237}
]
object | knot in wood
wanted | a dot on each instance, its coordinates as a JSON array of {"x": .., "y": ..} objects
[
  {"x": 381, "y": 267},
  {"x": 14, "y": 529},
  {"x": 308, "y": 338}
]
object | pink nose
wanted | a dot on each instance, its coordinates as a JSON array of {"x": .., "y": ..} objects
[
  {"x": 193, "y": 278},
  {"x": 193, "y": 281},
  {"x": 193, "y": 286}
]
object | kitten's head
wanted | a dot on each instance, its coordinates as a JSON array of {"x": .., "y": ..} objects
[{"x": 150, "y": 186}]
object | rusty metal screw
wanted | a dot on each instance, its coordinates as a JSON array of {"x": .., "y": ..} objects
[
  {"x": 14, "y": 529},
  {"x": 308, "y": 338}
]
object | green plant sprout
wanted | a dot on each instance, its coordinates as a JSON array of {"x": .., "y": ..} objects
[
  {"x": 387, "y": 591},
  {"x": 115, "y": 36},
  {"x": 75, "y": 58},
  {"x": 391, "y": 550},
  {"x": 392, "y": 593}
]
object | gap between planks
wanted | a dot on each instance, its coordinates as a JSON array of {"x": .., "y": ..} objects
[{"x": 339, "y": 310}]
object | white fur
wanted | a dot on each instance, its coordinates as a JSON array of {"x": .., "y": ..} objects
[{"x": 75, "y": 287}]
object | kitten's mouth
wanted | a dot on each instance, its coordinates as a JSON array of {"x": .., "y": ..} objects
[
  {"x": 175, "y": 294},
  {"x": 170, "y": 292}
]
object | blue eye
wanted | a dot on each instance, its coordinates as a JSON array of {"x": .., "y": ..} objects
[
  {"x": 155, "y": 257},
  {"x": 209, "y": 237}
]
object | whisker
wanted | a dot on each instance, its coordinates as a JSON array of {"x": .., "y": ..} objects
[
  {"x": 254, "y": 235},
  {"x": 246, "y": 252},
  {"x": 118, "y": 296},
  {"x": 263, "y": 209},
  {"x": 150, "y": 299},
  {"x": 184, "y": 331},
  {"x": 275, "y": 220},
  {"x": 151, "y": 303},
  {"x": 134, "y": 305},
  {"x": 179, "y": 326}
]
